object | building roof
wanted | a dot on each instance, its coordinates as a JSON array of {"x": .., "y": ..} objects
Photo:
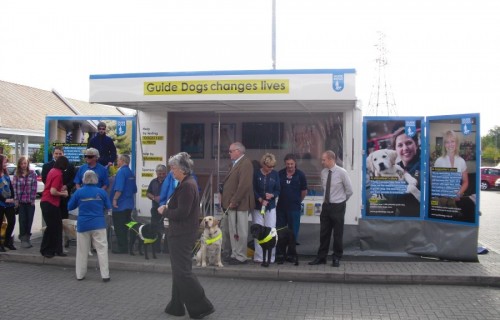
[{"x": 23, "y": 110}]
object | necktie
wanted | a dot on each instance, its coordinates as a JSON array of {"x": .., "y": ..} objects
[{"x": 327, "y": 189}]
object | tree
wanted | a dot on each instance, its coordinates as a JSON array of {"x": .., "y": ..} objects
[
  {"x": 490, "y": 145},
  {"x": 38, "y": 154},
  {"x": 5, "y": 148}
]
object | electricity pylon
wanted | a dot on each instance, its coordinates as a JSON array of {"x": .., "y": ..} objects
[{"x": 381, "y": 101}]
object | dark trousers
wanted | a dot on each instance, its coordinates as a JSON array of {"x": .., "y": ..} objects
[
  {"x": 10, "y": 214},
  {"x": 64, "y": 207},
  {"x": 120, "y": 218},
  {"x": 52, "y": 236},
  {"x": 26, "y": 214},
  {"x": 331, "y": 219},
  {"x": 186, "y": 289},
  {"x": 158, "y": 226},
  {"x": 289, "y": 218}
]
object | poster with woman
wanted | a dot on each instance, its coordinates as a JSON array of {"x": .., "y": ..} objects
[
  {"x": 393, "y": 168},
  {"x": 453, "y": 146}
]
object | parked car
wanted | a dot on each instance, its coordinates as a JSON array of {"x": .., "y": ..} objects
[
  {"x": 489, "y": 176},
  {"x": 11, "y": 169}
]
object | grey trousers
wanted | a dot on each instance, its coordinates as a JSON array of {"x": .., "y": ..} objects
[{"x": 237, "y": 223}]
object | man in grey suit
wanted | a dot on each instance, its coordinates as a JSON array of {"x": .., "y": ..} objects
[{"x": 238, "y": 200}]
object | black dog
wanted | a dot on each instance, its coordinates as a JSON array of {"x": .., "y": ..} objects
[
  {"x": 146, "y": 236},
  {"x": 267, "y": 238},
  {"x": 286, "y": 247}
]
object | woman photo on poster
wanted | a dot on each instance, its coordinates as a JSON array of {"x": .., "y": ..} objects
[
  {"x": 408, "y": 153},
  {"x": 394, "y": 165},
  {"x": 451, "y": 159}
]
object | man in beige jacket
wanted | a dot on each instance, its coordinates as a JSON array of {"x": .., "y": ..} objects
[{"x": 238, "y": 199}]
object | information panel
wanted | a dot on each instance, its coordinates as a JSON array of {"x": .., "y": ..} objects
[
  {"x": 393, "y": 167},
  {"x": 453, "y": 164}
]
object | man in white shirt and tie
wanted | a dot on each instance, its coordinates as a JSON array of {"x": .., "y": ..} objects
[{"x": 338, "y": 189}]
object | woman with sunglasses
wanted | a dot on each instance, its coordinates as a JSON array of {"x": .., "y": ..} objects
[{"x": 266, "y": 187}]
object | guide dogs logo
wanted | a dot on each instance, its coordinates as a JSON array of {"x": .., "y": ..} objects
[{"x": 338, "y": 82}]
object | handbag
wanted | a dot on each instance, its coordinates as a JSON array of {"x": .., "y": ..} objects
[{"x": 3, "y": 229}]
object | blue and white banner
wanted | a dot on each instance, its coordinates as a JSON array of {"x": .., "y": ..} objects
[
  {"x": 422, "y": 168},
  {"x": 454, "y": 165},
  {"x": 393, "y": 167}
]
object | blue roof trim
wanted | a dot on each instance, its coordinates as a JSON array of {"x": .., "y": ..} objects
[{"x": 218, "y": 73}]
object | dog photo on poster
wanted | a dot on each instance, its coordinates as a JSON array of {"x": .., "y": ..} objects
[
  {"x": 393, "y": 167},
  {"x": 453, "y": 167}
]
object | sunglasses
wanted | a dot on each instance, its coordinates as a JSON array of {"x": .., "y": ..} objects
[{"x": 88, "y": 156}]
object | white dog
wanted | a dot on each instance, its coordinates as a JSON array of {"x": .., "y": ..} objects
[
  {"x": 382, "y": 163},
  {"x": 69, "y": 227},
  {"x": 210, "y": 243}
]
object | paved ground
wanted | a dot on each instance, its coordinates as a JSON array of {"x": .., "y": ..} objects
[
  {"x": 362, "y": 288},
  {"x": 32, "y": 291},
  {"x": 354, "y": 269}
]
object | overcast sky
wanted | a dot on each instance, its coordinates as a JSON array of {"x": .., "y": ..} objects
[{"x": 444, "y": 55}]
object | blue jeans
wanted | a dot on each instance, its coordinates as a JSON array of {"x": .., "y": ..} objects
[
  {"x": 291, "y": 219},
  {"x": 26, "y": 214}
]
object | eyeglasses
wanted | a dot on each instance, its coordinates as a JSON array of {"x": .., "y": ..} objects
[
  {"x": 88, "y": 156},
  {"x": 231, "y": 151}
]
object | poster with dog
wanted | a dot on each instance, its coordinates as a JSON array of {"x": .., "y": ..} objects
[
  {"x": 393, "y": 168},
  {"x": 454, "y": 148}
]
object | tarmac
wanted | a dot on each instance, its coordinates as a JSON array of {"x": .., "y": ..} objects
[{"x": 356, "y": 267}]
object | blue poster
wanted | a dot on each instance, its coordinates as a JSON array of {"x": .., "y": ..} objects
[
  {"x": 393, "y": 167},
  {"x": 453, "y": 168}
]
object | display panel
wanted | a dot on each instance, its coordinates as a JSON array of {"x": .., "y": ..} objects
[
  {"x": 393, "y": 167},
  {"x": 75, "y": 133},
  {"x": 453, "y": 168}
]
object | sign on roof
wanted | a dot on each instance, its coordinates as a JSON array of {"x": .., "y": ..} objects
[{"x": 336, "y": 84}]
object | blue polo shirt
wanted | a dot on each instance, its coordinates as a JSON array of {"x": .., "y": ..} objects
[
  {"x": 91, "y": 202},
  {"x": 125, "y": 183},
  {"x": 168, "y": 187},
  {"x": 100, "y": 171}
]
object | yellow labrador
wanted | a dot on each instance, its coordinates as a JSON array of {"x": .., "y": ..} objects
[
  {"x": 69, "y": 227},
  {"x": 210, "y": 243},
  {"x": 382, "y": 163}
]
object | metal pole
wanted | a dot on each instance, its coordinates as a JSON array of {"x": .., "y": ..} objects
[{"x": 273, "y": 37}]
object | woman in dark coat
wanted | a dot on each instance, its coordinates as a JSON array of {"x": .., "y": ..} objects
[{"x": 183, "y": 212}]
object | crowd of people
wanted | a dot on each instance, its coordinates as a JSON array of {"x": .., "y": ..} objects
[{"x": 272, "y": 198}]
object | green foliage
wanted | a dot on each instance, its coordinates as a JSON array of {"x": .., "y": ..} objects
[
  {"x": 122, "y": 143},
  {"x": 490, "y": 145},
  {"x": 4, "y": 145},
  {"x": 38, "y": 155}
]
